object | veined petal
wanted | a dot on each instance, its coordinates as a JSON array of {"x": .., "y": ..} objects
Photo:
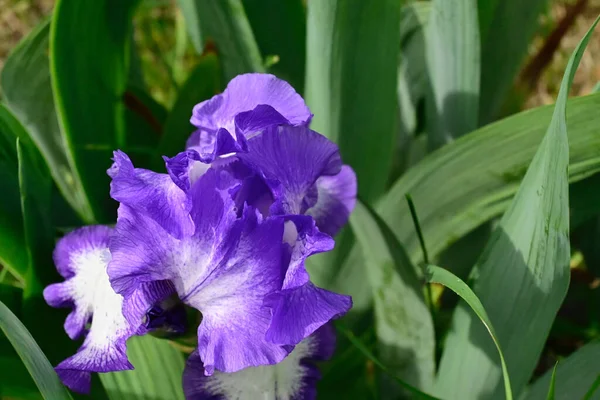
[
  {"x": 300, "y": 308},
  {"x": 291, "y": 159},
  {"x": 84, "y": 255},
  {"x": 335, "y": 200},
  {"x": 151, "y": 193},
  {"x": 294, "y": 378},
  {"x": 246, "y": 92},
  {"x": 224, "y": 270}
]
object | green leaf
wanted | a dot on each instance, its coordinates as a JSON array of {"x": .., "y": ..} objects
[
  {"x": 576, "y": 376},
  {"x": 523, "y": 275},
  {"x": 226, "y": 23},
  {"x": 454, "y": 67},
  {"x": 351, "y": 83},
  {"x": 27, "y": 90},
  {"x": 13, "y": 255},
  {"x": 402, "y": 320},
  {"x": 36, "y": 362},
  {"x": 202, "y": 83},
  {"x": 191, "y": 15},
  {"x": 472, "y": 180},
  {"x": 444, "y": 277},
  {"x": 89, "y": 69},
  {"x": 507, "y": 27},
  {"x": 157, "y": 374},
  {"x": 280, "y": 30}
]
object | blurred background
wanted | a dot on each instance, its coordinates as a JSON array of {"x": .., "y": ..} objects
[{"x": 167, "y": 55}]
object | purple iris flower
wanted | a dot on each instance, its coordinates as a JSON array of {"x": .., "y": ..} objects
[
  {"x": 227, "y": 230},
  {"x": 292, "y": 379},
  {"x": 82, "y": 257}
]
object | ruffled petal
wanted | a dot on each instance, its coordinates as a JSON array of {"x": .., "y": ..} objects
[
  {"x": 335, "y": 200},
  {"x": 291, "y": 159},
  {"x": 244, "y": 93},
  {"x": 84, "y": 253},
  {"x": 294, "y": 378},
  {"x": 300, "y": 308},
  {"x": 224, "y": 270},
  {"x": 151, "y": 193}
]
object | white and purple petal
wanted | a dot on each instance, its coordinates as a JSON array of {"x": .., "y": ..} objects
[
  {"x": 82, "y": 257},
  {"x": 225, "y": 269},
  {"x": 294, "y": 378},
  {"x": 300, "y": 308}
]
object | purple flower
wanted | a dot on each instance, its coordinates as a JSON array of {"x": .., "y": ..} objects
[
  {"x": 81, "y": 257},
  {"x": 243, "y": 271},
  {"x": 293, "y": 378}
]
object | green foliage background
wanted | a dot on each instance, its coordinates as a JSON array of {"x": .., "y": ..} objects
[{"x": 424, "y": 100}]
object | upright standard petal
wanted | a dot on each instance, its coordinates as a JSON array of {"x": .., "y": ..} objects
[
  {"x": 225, "y": 270},
  {"x": 246, "y": 92},
  {"x": 294, "y": 378},
  {"x": 305, "y": 173},
  {"x": 82, "y": 257}
]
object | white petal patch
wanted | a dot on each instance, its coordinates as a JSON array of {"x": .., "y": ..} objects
[
  {"x": 92, "y": 293},
  {"x": 281, "y": 381}
]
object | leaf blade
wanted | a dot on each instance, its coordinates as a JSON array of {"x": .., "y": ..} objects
[
  {"x": 403, "y": 323},
  {"x": 32, "y": 356}
]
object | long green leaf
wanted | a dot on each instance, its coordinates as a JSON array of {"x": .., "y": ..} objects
[
  {"x": 13, "y": 254},
  {"x": 351, "y": 83},
  {"x": 280, "y": 30},
  {"x": 226, "y": 23},
  {"x": 523, "y": 274},
  {"x": 27, "y": 90},
  {"x": 453, "y": 65},
  {"x": 36, "y": 362},
  {"x": 552, "y": 389},
  {"x": 575, "y": 376},
  {"x": 157, "y": 374},
  {"x": 472, "y": 180},
  {"x": 444, "y": 277},
  {"x": 402, "y": 320},
  {"x": 202, "y": 83},
  {"x": 507, "y": 27},
  {"x": 89, "y": 69}
]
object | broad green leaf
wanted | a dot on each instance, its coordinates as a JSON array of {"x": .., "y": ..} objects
[
  {"x": 226, "y": 23},
  {"x": 12, "y": 240},
  {"x": 280, "y": 31},
  {"x": 507, "y": 27},
  {"x": 351, "y": 83},
  {"x": 27, "y": 90},
  {"x": 89, "y": 69},
  {"x": 402, "y": 320},
  {"x": 36, "y": 362},
  {"x": 444, "y": 277},
  {"x": 453, "y": 63},
  {"x": 576, "y": 375},
  {"x": 472, "y": 180},
  {"x": 202, "y": 84},
  {"x": 523, "y": 275},
  {"x": 157, "y": 374}
]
